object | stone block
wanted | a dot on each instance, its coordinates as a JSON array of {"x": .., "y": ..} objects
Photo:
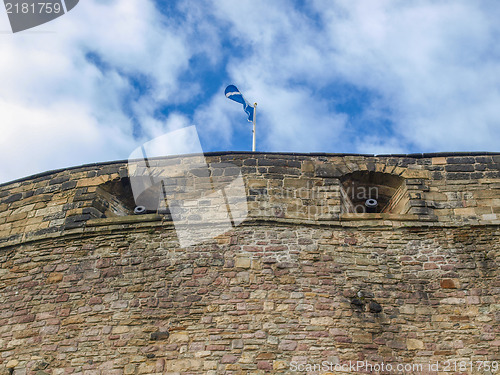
[
  {"x": 12, "y": 363},
  {"x": 179, "y": 337},
  {"x": 414, "y": 344},
  {"x": 54, "y": 278},
  {"x": 450, "y": 284},
  {"x": 296, "y": 183},
  {"x": 327, "y": 171},
  {"x": 322, "y": 321},
  {"x": 229, "y": 358},
  {"x": 243, "y": 262},
  {"x": 468, "y": 211},
  {"x": 287, "y": 345},
  {"x": 280, "y": 365},
  {"x": 308, "y": 166},
  {"x": 416, "y": 173},
  {"x": 183, "y": 365},
  {"x": 459, "y": 168},
  {"x": 362, "y": 338},
  {"x": 439, "y": 160}
]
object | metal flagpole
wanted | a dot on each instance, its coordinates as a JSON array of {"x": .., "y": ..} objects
[{"x": 254, "y": 119}]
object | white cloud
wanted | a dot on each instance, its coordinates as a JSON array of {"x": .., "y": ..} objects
[
  {"x": 58, "y": 109},
  {"x": 215, "y": 125},
  {"x": 430, "y": 63},
  {"x": 433, "y": 68},
  {"x": 63, "y": 131}
]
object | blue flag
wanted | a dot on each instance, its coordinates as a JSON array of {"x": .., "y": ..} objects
[{"x": 233, "y": 93}]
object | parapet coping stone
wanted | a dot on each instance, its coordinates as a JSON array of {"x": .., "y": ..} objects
[{"x": 258, "y": 153}]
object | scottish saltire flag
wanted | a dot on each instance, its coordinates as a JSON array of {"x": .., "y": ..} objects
[{"x": 233, "y": 93}]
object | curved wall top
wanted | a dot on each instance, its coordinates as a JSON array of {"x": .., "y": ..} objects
[{"x": 428, "y": 189}]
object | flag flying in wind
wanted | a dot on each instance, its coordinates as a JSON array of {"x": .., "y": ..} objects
[{"x": 233, "y": 93}]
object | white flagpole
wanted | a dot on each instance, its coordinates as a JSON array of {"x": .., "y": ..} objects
[{"x": 254, "y": 120}]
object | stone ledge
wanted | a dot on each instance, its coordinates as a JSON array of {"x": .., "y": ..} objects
[
  {"x": 124, "y": 220},
  {"x": 123, "y": 163},
  {"x": 89, "y": 231},
  {"x": 106, "y": 226},
  {"x": 382, "y": 216}
]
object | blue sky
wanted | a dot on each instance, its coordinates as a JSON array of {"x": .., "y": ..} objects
[{"x": 328, "y": 76}]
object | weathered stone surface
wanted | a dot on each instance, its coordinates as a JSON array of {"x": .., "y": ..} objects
[
  {"x": 414, "y": 344},
  {"x": 12, "y": 363},
  {"x": 243, "y": 262},
  {"x": 450, "y": 283},
  {"x": 155, "y": 336},
  {"x": 117, "y": 295},
  {"x": 287, "y": 345}
]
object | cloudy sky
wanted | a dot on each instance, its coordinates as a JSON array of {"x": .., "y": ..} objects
[{"x": 328, "y": 76}]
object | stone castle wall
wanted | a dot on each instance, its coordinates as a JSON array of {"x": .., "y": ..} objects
[{"x": 86, "y": 287}]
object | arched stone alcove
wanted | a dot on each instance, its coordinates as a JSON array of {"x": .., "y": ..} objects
[{"x": 388, "y": 190}]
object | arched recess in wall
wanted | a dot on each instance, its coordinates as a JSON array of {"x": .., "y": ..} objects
[
  {"x": 115, "y": 198},
  {"x": 373, "y": 192},
  {"x": 191, "y": 189}
]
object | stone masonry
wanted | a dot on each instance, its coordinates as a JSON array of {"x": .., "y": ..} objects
[{"x": 87, "y": 287}]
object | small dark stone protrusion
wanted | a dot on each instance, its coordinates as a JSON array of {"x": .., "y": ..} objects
[
  {"x": 350, "y": 240},
  {"x": 150, "y": 355},
  {"x": 375, "y": 307},
  {"x": 155, "y": 336},
  {"x": 357, "y": 302},
  {"x": 42, "y": 365}
]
